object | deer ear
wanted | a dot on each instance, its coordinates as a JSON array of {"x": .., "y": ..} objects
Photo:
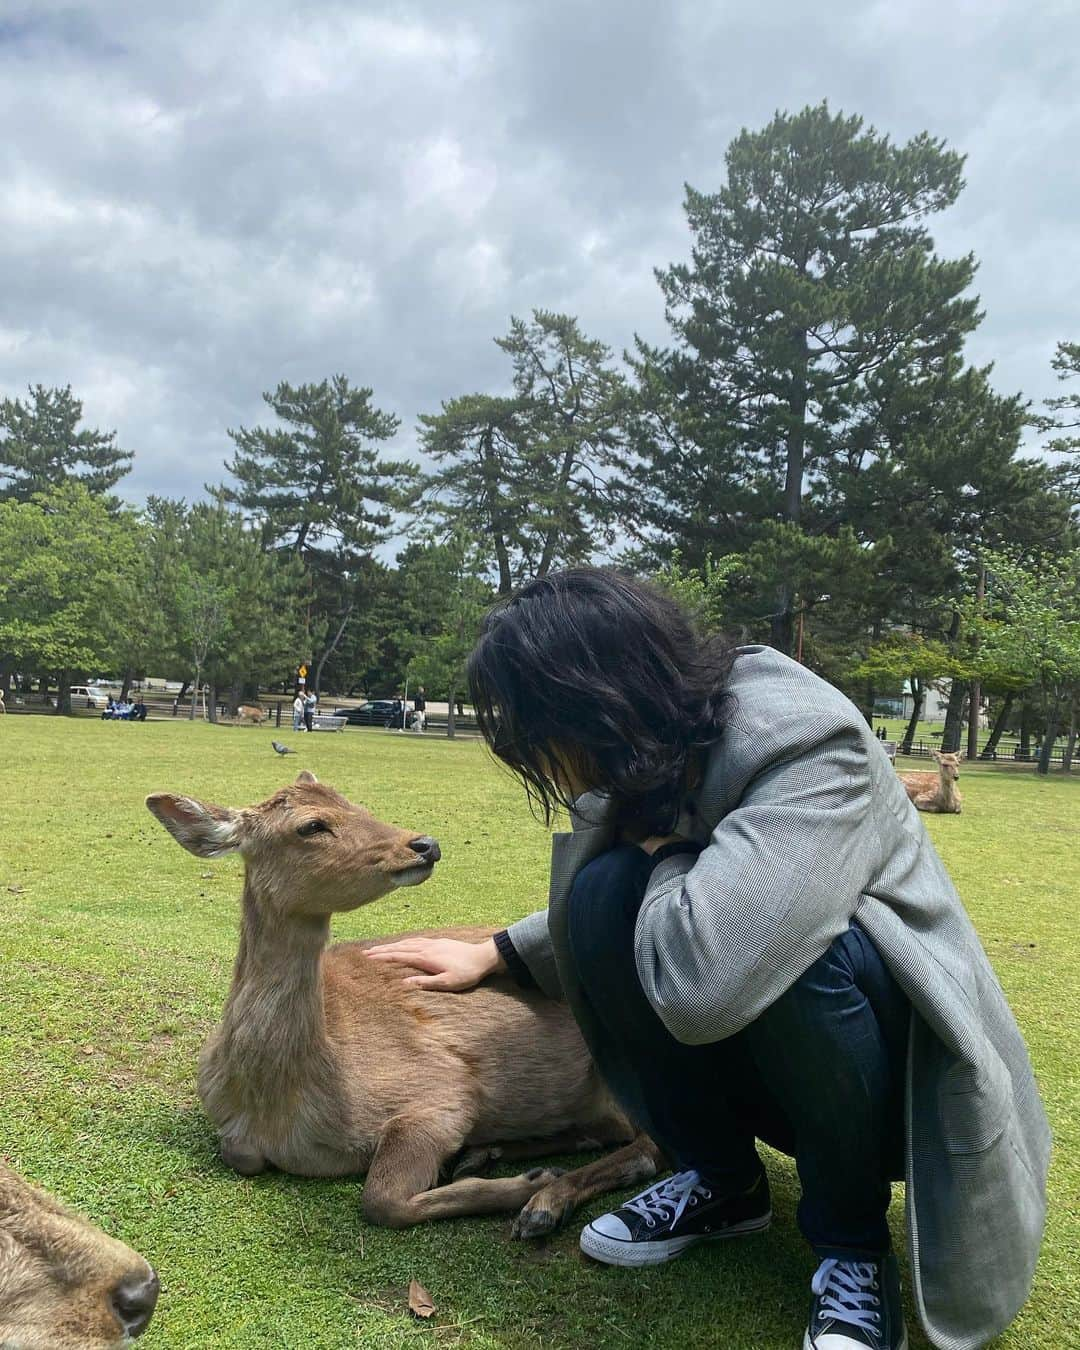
[
  {"x": 936, "y": 754},
  {"x": 306, "y": 776},
  {"x": 203, "y": 829}
]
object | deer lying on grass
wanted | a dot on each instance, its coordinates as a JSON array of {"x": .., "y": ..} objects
[
  {"x": 936, "y": 791},
  {"x": 64, "y": 1284},
  {"x": 326, "y": 1064}
]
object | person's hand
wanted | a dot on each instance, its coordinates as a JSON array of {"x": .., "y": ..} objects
[
  {"x": 656, "y": 841},
  {"x": 448, "y": 963}
]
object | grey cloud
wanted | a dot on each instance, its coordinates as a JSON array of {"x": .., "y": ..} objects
[{"x": 201, "y": 201}]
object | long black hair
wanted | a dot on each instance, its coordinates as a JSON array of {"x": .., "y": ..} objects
[{"x": 607, "y": 672}]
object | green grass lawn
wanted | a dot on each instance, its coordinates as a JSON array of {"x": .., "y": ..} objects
[{"x": 117, "y": 949}]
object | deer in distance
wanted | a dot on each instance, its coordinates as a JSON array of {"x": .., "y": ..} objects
[
  {"x": 936, "y": 792},
  {"x": 327, "y": 1064},
  {"x": 64, "y": 1284}
]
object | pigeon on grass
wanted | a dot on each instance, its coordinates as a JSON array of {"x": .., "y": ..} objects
[{"x": 280, "y": 749}]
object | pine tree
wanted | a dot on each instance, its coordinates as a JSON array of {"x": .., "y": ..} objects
[
  {"x": 320, "y": 488},
  {"x": 42, "y": 447},
  {"x": 530, "y": 474},
  {"x": 812, "y": 286}
]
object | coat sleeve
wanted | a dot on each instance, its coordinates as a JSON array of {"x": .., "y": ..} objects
[
  {"x": 721, "y": 936},
  {"x": 532, "y": 942}
]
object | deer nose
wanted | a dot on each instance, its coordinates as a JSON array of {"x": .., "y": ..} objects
[
  {"x": 134, "y": 1300},
  {"x": 427, "y": 847}
]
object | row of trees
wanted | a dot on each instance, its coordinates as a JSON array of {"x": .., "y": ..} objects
[{"x": 810, "y": 444}]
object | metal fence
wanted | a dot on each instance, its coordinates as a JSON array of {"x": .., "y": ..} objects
[{"x": 1007, "y": 754}]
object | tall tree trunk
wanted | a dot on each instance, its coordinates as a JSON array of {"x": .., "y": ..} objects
[
  {"x": 870, "y": 692},
  {"x": 195, "y": 695},
  {"x": 782, "y": 622},
  {"x": 125, "y": 686},
  {"x": 547, "y": 557},
  {"x": 317, "y": 682},
  {"x": 212, "y": 706},
  {"x": 451, "y": 727},
  {"x": 918, "y": 698},
  {"x": 976, "y": 688},
  {"x": 1052, "y": 723},
  {"x": 498, "y": 534},
  {"x": 954, "y": 718},
  {"x": 998, "y": 728},
  {"x": 63, "y": 694},
  {"x": 1026, "y": 727},
  {"x": 782, "y": 625},
  {"x": 1070, "y": 744}
]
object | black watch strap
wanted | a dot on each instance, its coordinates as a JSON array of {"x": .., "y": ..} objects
[{"x": 676, "y": 847}]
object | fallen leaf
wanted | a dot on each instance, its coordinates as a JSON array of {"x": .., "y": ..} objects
[
  {"x": 206, "y": 876},
  {"x": 16, "y": 890},
  {"x": 86, "y": 1049},
  {"x": 420, "y": 1300}
]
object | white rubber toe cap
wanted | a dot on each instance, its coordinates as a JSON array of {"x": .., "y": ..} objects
[
  {"x": 836, "y": 1340},
  {"x": 611, "y": 1226}
]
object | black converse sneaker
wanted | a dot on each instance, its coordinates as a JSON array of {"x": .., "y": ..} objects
[
  {"x": 856, "y": 1306},
  {"x": 662, "y": 1222}
]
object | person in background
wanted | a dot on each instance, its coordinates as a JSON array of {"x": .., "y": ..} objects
[
  {"x": 419, "y": 721},
  {"x": 298, "y": 713},
  {"x": 309, "y": 710},
  {"x": 758, "y": 941}
]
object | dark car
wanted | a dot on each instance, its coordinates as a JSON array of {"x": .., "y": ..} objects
[{"x": 374, "y": 714}]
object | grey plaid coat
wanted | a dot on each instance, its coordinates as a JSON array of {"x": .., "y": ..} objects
[{"x": 807, "y": 827}]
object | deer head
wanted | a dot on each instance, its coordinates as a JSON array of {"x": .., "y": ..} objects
[
  {"x": 309, "y": 851},
  {"x": 949, "y": 764},
  {"x": 64, "y": 1284}
]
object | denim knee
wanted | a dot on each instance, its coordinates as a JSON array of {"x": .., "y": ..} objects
[{"x": 605, "y": 899}]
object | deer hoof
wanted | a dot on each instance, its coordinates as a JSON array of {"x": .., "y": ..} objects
[
  {"x": 543, "y": 1214},
  {"x": 472, "y": 1161},
  {"x": 544, "y": 1173}
]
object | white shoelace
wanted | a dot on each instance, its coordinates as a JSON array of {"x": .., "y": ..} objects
[
  {"x": 848, "y": 1291},
  {"x": 667, "y": 1201}
]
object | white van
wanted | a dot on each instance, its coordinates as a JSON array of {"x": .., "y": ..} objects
[{"x": 95, "y": 697}]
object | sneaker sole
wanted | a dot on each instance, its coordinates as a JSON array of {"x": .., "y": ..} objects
[
  {"x": 809, "y": 1345},
  {"x": 614, "y": 1253}
]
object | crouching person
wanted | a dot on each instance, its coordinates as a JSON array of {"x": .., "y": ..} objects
[{"x": 759, "y": 942}]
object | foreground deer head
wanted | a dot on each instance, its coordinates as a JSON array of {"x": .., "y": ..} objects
[
  {"x": 64, "y": 1284},
  {"x": 309, "y": 851}
]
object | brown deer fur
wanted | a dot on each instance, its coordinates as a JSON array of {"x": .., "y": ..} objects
[
  {"x": 60, "y": 1277},
  {"x": 327, "y": 1064},
  {"x": 936, "y": 791},
  {"x": 248, "y": 712}
]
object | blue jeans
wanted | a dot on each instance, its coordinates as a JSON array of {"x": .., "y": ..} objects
[{"x": 819, "y": 1075}]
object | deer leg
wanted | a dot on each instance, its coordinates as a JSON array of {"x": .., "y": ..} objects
[
  {"x": 402, "y": 1181},
  {"x": 242, "y": 1157},
  {"x": 551, "y": 1206},
  {"x": 602, "y": 1134}
]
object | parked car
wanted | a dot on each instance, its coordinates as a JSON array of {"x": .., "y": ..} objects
[
  {"x": 373, "y": 714},
  {"x": 95, "y": 697}
]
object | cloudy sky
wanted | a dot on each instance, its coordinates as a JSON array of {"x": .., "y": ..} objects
[{"x": 199, "y": 200}]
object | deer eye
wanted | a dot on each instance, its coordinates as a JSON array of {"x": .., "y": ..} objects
[{"x": 313, "y": 827}]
